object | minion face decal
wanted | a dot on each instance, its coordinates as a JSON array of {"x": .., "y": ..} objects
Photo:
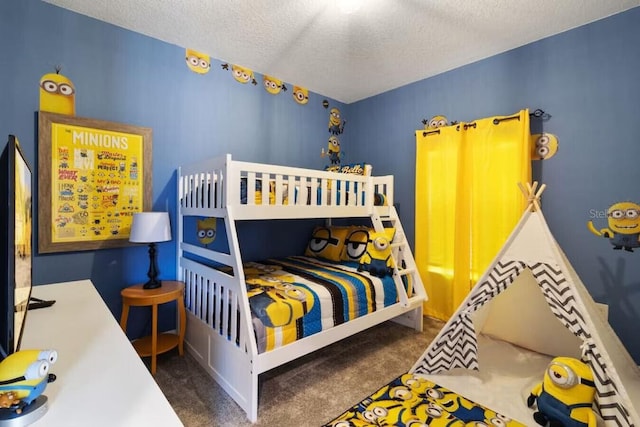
[
  {"x": 206, "y": 230},
  {"x": 197, "y": 62},
  {"x": 241, "y": 74},
  {"x": 272, "y": 85},
  {"x": 543, "y": 146},
  {"x": 623, "y": 229},
  {"x": 300, "y": 95},
  {"x": 435, "y": 122},
  {"x": 57, "y": 94}
]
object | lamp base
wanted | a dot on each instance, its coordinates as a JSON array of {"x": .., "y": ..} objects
[{"x": 152, "y": 284}]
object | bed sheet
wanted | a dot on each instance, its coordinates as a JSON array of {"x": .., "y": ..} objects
[{"x": 294, "y": 297}]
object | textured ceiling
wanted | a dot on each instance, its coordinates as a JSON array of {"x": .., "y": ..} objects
[{"x": 348, "y": 56}]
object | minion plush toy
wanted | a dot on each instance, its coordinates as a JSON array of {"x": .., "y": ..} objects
[
  {"x": 565, "y": 396},
  {"x": 377, "y": 259}
]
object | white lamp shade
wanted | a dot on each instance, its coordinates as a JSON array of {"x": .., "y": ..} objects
[{"x": 150, "y": 227}]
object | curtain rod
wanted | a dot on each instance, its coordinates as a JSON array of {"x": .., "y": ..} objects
[{"x": 537, "y": 113}]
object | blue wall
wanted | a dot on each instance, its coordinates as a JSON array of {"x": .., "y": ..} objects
[
  {"x": 129, "y": 78},
  {"x": 586, "y": 79}
]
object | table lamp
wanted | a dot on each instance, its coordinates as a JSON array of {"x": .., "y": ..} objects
[{"x": 151, "y": 228}]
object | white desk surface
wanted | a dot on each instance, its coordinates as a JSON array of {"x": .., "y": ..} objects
[{"x": 101, "y": 381}]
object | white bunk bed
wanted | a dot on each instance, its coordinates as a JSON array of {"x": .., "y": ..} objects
[{"x": 225, "y": 343}]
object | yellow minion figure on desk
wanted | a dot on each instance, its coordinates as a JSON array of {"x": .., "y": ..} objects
[{"x": 25, "y": 375}]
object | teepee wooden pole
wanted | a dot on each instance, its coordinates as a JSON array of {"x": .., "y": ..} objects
[{"x": 532, "y": 193}]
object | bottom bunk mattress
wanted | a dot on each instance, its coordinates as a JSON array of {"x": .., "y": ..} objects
[{"x": 294, "y": 297}]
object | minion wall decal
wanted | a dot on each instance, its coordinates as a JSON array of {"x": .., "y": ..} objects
[
  {"x": 206, "y": 229},
  {"x": 336, "y": 124},
  {"x": 272, "y": 85},
  {"x": 623, "y": 229},
  {"x": 57, "y": 94},
  {"x": 333, "y": 150},
  {"x": 435, "y": 122},
  {"x": 300, "y": 95},
  {"x": 241, "y": 74},
  {"x": 325, "y": 103},
  {"x": 543, "y": 146},
  {"x": 197, "y": 62}
]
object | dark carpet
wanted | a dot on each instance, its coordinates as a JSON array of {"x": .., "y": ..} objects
[{"x": 309, "y": 391}]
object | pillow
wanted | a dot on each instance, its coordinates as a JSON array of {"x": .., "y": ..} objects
[
  {"x": 377, "y": 259},
  {"x": 355, "y": 244},
  {"x": 327, "y": 242}
]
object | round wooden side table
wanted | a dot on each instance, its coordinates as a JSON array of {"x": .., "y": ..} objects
[{"x": 156, "y": 343}]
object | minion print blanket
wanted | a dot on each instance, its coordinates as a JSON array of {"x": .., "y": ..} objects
[
  {"x": 294, "y": 297},
  {"x": 410, "y": 400}
]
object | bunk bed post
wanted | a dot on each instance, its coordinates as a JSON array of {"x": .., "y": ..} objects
[
  {"x": 233, "y": 176},
  {"x": 178, "y": 226},
  {"x": 243, "y": 379}
]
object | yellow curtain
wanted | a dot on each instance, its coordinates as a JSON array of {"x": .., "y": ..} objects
[{"x": 467, "y": 202}]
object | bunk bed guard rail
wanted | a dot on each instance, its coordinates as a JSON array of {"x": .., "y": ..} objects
[{"x": 268, "y": 191}]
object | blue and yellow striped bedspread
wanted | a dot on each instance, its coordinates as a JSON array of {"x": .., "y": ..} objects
[{"x": 294, "y": 297}]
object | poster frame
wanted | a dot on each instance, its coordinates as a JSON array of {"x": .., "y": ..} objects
[{"x": 46, "y": 166}]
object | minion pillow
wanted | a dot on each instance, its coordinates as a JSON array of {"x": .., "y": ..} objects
[
  {"x": 327, "y": 242},
  {"x": 355, "y": 245},
  {"x": 377, "y": 259}
]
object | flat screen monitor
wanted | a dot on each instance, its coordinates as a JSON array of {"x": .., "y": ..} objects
[{"x": 15, "y": 245}]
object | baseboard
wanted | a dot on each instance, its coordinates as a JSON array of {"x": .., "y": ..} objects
[{"x": 604, "y": 310}]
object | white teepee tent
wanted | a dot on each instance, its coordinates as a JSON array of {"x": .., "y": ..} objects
[{"x": 506, "y": 304}]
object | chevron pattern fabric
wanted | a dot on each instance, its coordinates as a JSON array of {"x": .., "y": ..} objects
[
  {"x": 457, "y": 346},
  {"x": 562, "y": 301}
]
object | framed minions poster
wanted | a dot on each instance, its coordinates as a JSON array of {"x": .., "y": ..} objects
[{"x": 92, "y": 176}]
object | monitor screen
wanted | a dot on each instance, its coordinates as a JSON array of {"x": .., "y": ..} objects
[{"x": 16, "y": 250}]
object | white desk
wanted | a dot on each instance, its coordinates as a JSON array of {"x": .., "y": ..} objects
[{"x": 101, "y": 381}]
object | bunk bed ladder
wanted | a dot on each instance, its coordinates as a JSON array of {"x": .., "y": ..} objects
[{"x": 405, "y": 271}]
